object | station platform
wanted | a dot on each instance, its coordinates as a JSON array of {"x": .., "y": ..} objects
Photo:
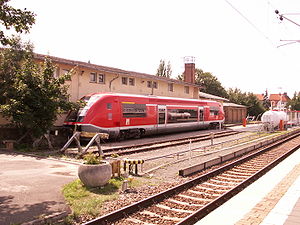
[{"x": 274, "y": 199}]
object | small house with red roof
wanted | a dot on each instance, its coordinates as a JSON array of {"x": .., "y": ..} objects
[{"x": 279, "y": 101}]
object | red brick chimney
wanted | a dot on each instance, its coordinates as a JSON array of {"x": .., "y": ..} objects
[{"x": 189, "y": 69}]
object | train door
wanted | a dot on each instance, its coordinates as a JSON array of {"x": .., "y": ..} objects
[
  {"x": 161, "y": 118},
  {"x": 201, "y": 115}
]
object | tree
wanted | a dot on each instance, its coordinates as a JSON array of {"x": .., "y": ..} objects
[
  {"x": 11, "y": 60},
  {"x": 210, "y": 83},
  {"x": 20, "y": 20},
  {"x": 32, "y": 97},
  {"x": 248, "y": 99},
  {"x": 164, "y": 70},
  {"x": 294, "y": 103},
  {"x": 266, "y": 101}
]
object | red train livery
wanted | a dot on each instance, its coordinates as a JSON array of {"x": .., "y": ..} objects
[{"x": 125, "y": 115}]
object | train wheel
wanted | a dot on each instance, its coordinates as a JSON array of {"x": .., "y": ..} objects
[
  {"x": 121, "y": 136},
  {"x": 138, "y": 134}
]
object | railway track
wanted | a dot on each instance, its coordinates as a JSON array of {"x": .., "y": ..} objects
[
  {"x": 126, "y": 150},
  {"x": 189, "y": 202}
]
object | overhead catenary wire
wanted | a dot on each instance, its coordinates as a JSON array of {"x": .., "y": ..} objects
[{"x": 249, "y": 21}]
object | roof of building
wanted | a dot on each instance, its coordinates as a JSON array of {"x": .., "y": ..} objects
[
  {"x": 230, "y": 104},
  {"x": 112, "y": 70},
  {"x": 278, "y": 97},
  {"x": 260, "y": 97},
  {"x": 210, "y": 96}
]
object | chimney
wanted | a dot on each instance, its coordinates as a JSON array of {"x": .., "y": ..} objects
[{"x": 189, "y": 69}]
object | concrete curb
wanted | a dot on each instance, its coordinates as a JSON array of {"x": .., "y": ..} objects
[{"x": 50, "y": 219}]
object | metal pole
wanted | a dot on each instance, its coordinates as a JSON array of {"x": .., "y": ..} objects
[
  {"x": 190, "y": 149},
  {"x": 212, "y": 138}
]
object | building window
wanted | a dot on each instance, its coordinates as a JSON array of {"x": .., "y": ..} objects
[
  {"x": 125, "y": 80},
  {"x": 131, "y": 81},
  {"x": 152, "y": 84},
  {"x": 93, "y": 77},
  {"x": 101, "y": 79},
  {"x": 186, "y": 89},
  {"x": 170, "y": 87}
]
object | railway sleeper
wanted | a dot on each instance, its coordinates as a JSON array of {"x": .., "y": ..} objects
[
  {"x": 175, "y": 205},
  {"x": 214, "y": 185},
  {"x": 206, "y": 195},
  {"x": 148, "y": 217},
  {"x": 222, "y": 181},
  {"x": 208, "y": 189},
  {"x": 227, "y": 178},
  {"x": 246, "y": 169},
  {"x": 189, "y": 200},
  {"x": 149, "y": 213},
  {"x": 204, "y": 200},
  {"x": 243, "y": 174},
  {"x": 184, "y": 203},
  {"x": 137, "y": 221},
  {"x": 162, "y": 206}
]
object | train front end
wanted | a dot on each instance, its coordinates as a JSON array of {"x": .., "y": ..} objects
[{"x": 90, "y": 118}]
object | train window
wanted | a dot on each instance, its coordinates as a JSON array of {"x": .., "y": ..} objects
[
  {"x": 201, "y": 115},
  {"x": 161, "y": 116},
  {"x": 108, "y": 105},
  {"x": 149, "y": 84},
  {"x": 134, "y": 110},
  {"x": 182, "y": 115},
  {"x": 155, "y": 84},
  {"x": 214, "y": 111}
]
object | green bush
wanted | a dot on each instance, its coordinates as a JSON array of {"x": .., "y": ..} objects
[{"x": 92, "y": 159}]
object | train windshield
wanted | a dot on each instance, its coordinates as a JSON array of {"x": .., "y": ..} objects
[{"x": 78, "y": 115}]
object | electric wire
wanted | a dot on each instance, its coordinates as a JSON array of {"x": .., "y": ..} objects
[{"x": 249, "y": 21}]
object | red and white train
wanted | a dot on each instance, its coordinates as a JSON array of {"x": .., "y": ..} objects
[{"x": 125, "y": 115}]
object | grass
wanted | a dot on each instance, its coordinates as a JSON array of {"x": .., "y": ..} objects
[
  {"x": 89, "y": 201},
  {"x": 85, "y": 201}
]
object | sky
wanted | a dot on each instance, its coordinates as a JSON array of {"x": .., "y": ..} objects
[{"x": 236, "y": 40}]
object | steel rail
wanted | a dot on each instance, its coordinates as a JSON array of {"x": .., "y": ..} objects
[
  {"x": 163, "y": 144},
  {"x": 124, "y": 212}
]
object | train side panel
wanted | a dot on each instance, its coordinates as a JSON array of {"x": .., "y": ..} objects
[{"x": 137, "y": 115}]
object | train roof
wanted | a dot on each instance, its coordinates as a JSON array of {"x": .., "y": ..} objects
[{"x": 151, "y": 96}]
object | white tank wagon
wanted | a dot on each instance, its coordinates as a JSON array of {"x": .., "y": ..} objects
[{"x": 273, "y": 118}]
